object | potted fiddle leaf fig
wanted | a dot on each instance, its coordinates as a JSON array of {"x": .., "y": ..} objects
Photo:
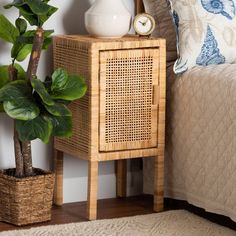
[{"x": 38, "y": 108}]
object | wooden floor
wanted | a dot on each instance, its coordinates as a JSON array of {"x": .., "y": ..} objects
[
  {"x": 107, "y": 209},
  {"x": 120, "y": 207}
]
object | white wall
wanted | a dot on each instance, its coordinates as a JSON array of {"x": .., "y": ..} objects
[{"x": 69, "y": 19}]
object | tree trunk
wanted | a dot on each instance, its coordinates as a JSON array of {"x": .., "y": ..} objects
[
  {"x": 31, "y": 73},
  {"x": 35, "y": 54},
  {"x": 18, "y": 155},
  {"x": 26, "y": 151},
  {"x": 17, "y": 144}
]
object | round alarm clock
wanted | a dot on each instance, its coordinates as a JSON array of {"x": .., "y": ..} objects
[{"x": 144, "y": 24}]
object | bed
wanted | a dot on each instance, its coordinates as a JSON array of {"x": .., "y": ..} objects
[{"x": 201, "y": 137}]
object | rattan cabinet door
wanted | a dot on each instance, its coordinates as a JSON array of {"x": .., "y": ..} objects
[{"x": 128, "y": 99}]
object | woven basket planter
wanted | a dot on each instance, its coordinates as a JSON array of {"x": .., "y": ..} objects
[{"x": 27, "y": 200}]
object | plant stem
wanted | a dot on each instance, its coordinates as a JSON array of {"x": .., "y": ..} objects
[
  {"x": 18, "y": 155},
  {"x": 26, "y": 151},
  {"x": 31, "y": 73},
  {"x": 17, "y": 144},
  {"x": 35, "y": 54},
  {"x": 12, "y": 72}
]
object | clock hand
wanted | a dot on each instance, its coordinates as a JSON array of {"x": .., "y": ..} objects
[{"x": 143, "y": 23}]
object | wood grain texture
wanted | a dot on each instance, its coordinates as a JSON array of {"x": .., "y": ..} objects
[
  {"x": 159, "y": 184},
  {"x": 121, "y": 178},
  {"x": 92, "y": 190},
  {"x": 162, "y": 96},
  {"x": 58, "y": 169},
  {"x": 107, "y": 209}
]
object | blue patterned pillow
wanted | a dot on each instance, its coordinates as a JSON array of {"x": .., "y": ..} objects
[{"x": 206, "y": 32}]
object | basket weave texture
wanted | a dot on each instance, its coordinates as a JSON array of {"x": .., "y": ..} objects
[
  {"x": 124, "y": 107},
  {"x": 27, "y": 200}
]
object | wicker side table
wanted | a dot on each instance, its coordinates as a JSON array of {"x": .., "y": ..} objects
[{"x": 122, "y": 115}]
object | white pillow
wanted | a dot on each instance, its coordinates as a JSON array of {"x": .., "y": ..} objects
[{"x": 206, "y": 32}]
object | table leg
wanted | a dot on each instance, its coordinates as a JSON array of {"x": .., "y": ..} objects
[
  {"x": 121, "y": 178},
  {"x": 58, "y": 169},
  {"x": 92, "y": 190},
  {"x": 159, "y": 184}
]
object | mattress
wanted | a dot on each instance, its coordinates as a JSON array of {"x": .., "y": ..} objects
[{"x": 200, "y": 159}]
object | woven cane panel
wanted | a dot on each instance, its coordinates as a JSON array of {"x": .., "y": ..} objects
[
  {"x": 73, "y": 56},
  {"x": 128, "y": 116}
]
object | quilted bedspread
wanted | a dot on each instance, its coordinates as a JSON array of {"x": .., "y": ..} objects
[{"x": 201, "y": 139}]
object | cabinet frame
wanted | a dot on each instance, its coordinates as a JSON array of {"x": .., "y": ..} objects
[{"x": 80, "y": 54}]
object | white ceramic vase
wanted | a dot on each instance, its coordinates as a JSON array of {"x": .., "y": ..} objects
[{"x": 108, "y": 19}]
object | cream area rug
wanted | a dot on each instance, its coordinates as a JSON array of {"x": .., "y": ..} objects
[{"x": 170, "y": 223}]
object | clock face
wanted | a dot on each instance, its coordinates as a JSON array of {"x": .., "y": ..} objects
[{"x": 144, "y": 24}]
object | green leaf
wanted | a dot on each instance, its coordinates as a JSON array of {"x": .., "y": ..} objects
[
  {"x": 46, "y": 43},
  {"x": 31, "y": 33},
  {"x": 25, "y": 10},
  {"x": 31, "y": 18},
  {"x": 22, "y": 109},
  {"x": 25, "y": 39},
  {"x": 15, "y": 3},
  {"x": 29, "y": 40},
  {"x": 58, "y": 109},
  {"x": 18, "y": 100},
  {"x": 4, "y": 74},
  {"x": 23, "y": 52},
  {"x": 28, "y": 37},
  {"x": 8, "y": 31},
  {"x": 48, "y": 83},
  {"x": 47, "y": 33},
  {"x": 59, "y": 79},
  {"x": 73, "y": 89},
  {"x": 36, "y": 12},
  {"x": 43, "y": 18},
  {"x": 15, "y": 49},
  {"x": 63, "y": 101},
  {"x": 21, "y": 74},
  {"x": 62, "y": 126},
  {"x": 21, "y": 25},
  {"x": 41, "y": 127},
  {"x": 20, "y": 50},
  {"x": 42, "y": 92},
  {"x": 38, "y": 7},
  {"x": 14, "y": 89}
]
